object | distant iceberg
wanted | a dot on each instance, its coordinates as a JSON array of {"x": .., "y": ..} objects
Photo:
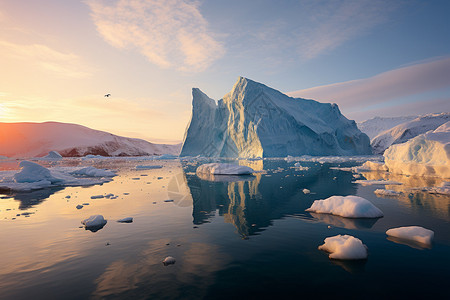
[{"x": 254, "y": 120}]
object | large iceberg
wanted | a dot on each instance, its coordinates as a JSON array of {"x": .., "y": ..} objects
[
  {"x": 408, "y": 130},
  {"x": 254, "y": 120},
  {"x": 425, "y": 155}
]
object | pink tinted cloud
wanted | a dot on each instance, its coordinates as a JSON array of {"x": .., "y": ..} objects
[{"x": 384, "y": 87}]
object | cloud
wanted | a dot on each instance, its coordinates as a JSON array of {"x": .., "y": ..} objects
[
  {"x": 329, "y": 25},
  {"x": 390, "y": 86},
  {"x": 65, "y": 64},
  {"x": 170, "y": 34}
]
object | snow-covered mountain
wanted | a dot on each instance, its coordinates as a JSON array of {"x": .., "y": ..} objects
[
  {"x": 377, "y": 125},
  {"x": 254, "y": 120},
  {"x": 38, "y": 139},
  {"x": 408, "y": 130}
]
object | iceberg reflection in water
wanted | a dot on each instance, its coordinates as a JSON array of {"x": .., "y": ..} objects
[{"x": 232, "y": 237}]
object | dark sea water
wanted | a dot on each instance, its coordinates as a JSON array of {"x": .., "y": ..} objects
[{"x": 232, "y": 237}]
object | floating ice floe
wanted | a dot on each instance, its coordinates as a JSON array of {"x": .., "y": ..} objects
[
  {"x": 299, "y": 167},
  {"x": 126, "y": 220},
  {"x": 391, "y": 193},
  {"x": 143, "y": 167},
  {"x": 169, "y": 260},
  {"x": 344, "y": 247},
  {"x": 346, "y": 206},
  {"x": 413, "y": 233},
  {"x": 94, "y": 223},
  {"x": 225, "y": 169},
  {"x": 165, "y": 156},
  {"x": 377, "y": 182},
  {"x": 443, "y": 189},
  {"x": 33, "y": 176},
  {"x": 306, "y": 191},
  {"x": 93, "y": 172},
  {"x": 335, "y": 159}
]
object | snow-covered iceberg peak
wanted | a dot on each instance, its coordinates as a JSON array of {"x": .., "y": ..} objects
[
  {"x": 427, "y": 154},
  {"x": 254, "y": 120}
]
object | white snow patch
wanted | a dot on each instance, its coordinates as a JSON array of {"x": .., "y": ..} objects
[
  {"x": 94, "y": 221},
  {"x": 224, "y": 169},
  {"x": 344, "y": 247},
  {"x": 346, "y": 206},
  {"x": 414, "y": 233}
]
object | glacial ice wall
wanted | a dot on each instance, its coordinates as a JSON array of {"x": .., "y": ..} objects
[{"x": 254, "y": 120}]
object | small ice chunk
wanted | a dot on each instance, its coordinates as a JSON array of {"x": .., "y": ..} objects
[
  {"x": 93, "y": 172},
  {"x": 33, "y": 172},
  {"x": 414, "y": 233},
  {"x": 53, "y": 155},
  {"x": 94, "y": 221},
  {"x": 225, "y": 169},
  {"x": 346, "y": 206},
  {"x": 306, "y": 191},
  {"x": 126, "y": 220},
  {"x": 169, "y": 260},
  {"x": 344, "y": 247},
  {"x": 381, "y": 192}
]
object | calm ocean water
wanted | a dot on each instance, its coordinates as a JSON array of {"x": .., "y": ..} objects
[{"x": 232, "y": 237}]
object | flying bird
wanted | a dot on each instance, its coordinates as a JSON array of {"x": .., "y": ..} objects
[{"x": 108, "y": 95}]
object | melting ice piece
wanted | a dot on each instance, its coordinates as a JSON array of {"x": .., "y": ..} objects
[
  {"x": 126, "y": 220},
  {"x": 306, "y": 191},
  {"x": 225, "y": 169},
  {"x": 346, "y": 206},
  {"x": 344, "y": 247},
  {"x": 413, "y": 233},
  {"x": 94, "y": 222},
  {"x": 169, "y": 260}
]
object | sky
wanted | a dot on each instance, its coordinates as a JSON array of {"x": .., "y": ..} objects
[{"x": 372, "y": 57}]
